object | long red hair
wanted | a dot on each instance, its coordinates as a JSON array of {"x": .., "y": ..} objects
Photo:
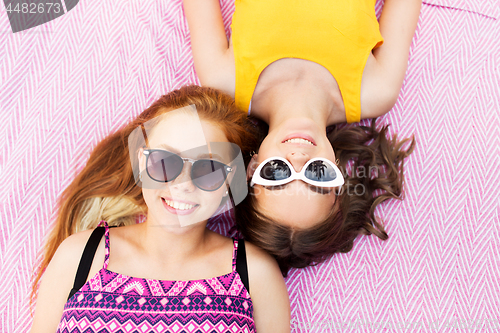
[{"x": 106, "y": 188}]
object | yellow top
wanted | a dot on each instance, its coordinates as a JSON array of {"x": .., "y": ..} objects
[{"x": 337, "y": 34}]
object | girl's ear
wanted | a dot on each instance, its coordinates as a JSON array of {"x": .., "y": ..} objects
[
  {"x": 230, "y": 176},
  {"x": 251, "y": 167}
]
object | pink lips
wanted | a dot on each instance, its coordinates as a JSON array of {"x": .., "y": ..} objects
[
  {"x": 299, "y": 136},
  {"x": 179, "y": 211}
]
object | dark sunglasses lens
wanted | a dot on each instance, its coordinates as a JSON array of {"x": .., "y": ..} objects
[
  {"x": 275, "y": 170},
  {"x": 164, "y": 166},
  {"x": 208, "y": 175},
  {"x": 320, "y": 171}
]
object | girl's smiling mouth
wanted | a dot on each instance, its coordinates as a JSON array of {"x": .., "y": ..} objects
[{"x": 179, "y": 207}]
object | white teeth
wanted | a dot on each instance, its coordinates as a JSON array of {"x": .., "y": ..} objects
[
  {"x": 299, "y": 140},
  {"x": 179, "y": 205}
]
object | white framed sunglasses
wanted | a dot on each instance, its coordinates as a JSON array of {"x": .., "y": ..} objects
[{"x": 318, "y": 171}]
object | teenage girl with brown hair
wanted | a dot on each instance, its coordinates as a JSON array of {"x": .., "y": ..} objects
[{"x": 301, "y": 66}]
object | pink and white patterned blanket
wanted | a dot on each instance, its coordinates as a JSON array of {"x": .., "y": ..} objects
[{"x": 67, "y": 83}]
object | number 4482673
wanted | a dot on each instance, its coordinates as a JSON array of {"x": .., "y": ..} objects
[{"x": 33, "y": 8}]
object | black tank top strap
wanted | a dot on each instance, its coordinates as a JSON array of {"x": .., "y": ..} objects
[
  {"x": 88, "y": 256},
  {"x": 241, "y": 262},
  {"x": 106, "y": 244}
]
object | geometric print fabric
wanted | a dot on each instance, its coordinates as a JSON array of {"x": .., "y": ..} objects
[{"x": 113, "y": 302}]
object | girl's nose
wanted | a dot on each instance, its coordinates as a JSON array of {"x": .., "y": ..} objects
[
  {"x": 297, "y": 159},
  {"x": 183, "y": 182}
]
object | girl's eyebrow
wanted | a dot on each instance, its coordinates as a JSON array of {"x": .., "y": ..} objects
[
  {"x": 201, "y": 156},
  {"x": 167, "y": 147},
  {"x": 274, "y": 187},
  {"x": 320, "y": 190}
]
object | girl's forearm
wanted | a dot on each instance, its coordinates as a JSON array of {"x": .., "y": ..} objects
[{"x": 209, "y": 43}]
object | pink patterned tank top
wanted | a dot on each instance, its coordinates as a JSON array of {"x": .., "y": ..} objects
[{"x": 112, "y": 302}]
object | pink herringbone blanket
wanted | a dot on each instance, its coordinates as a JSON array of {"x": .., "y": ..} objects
[{"x": 67, "y": 83}]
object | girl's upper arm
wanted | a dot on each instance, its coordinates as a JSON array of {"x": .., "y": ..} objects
[
  {"x": 57, "y": 281},
  {"x": 398, "y": 22},
  {"x": 268, "y": 292},
  {"x": 213, "y": 58}
]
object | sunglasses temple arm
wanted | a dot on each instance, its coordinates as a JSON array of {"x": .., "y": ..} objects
[{"x": 230, "y": 194}]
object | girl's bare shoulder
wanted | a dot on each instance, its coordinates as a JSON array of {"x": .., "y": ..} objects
[
  {"x": 259, "y": 260},
  {"x": 68, "y": 255},
  {"x": 268, "y": 291},
  {"x": 57, "y": 282},
  {"x": 74, "y": 244}
]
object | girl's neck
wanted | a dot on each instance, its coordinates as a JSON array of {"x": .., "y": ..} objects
[
  {"x": 172, "y": 243},
  {"x": 293, "y": 100}
]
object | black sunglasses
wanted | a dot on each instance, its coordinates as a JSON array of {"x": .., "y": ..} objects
[{"x": 164, "y": 166}]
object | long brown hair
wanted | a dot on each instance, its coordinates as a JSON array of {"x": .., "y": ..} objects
[
  {"x": 357, "y": 148},
  {"x": 106, "y": 190}
]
